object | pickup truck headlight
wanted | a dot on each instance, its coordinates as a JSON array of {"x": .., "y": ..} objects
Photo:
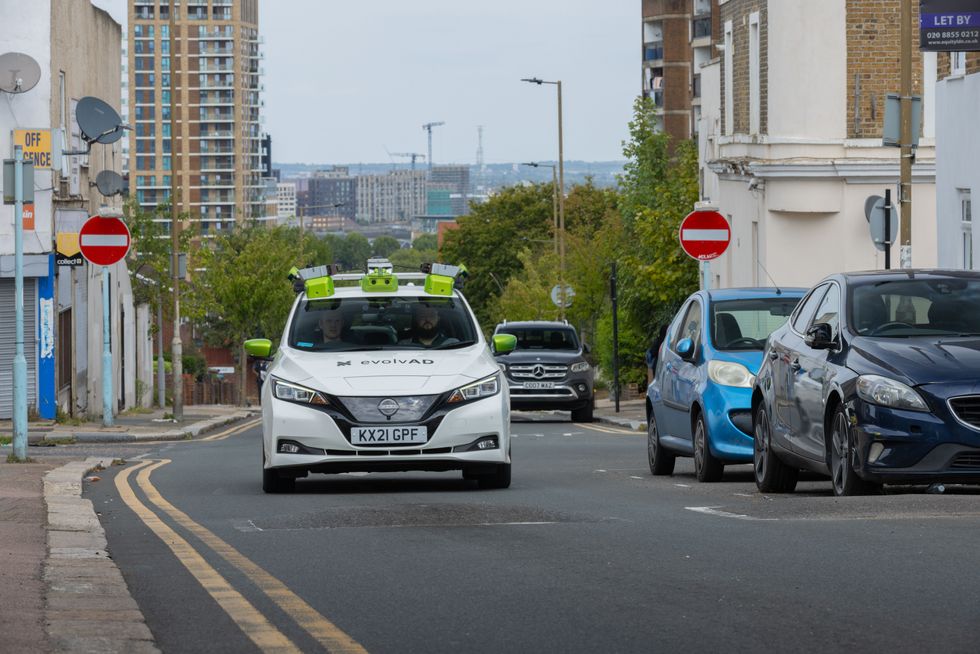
[
  {"x": 888, "y": 392},
  {"x": 581, "y": 366},
  {"x": 729, "y": 373},
  {"x": 477, "y": 390},
  {"x": 295, "y": 393}
]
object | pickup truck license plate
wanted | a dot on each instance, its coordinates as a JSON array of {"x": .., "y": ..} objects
[
  {"x": 401, "y": 435},
  {"x": 533, "y": 386}
]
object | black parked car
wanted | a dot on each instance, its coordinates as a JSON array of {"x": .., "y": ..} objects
[{"x": 875, "y": 379}]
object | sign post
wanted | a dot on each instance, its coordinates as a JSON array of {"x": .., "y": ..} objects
[
  {"x": 104, "y": 241},
  {"x": 20, "y": 362},
  {"x": 705, "y": 235}
]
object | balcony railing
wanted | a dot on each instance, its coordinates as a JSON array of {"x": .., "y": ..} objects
[
  {"x": 653, "y": 51},
  {"x": 701, "y": 27}
]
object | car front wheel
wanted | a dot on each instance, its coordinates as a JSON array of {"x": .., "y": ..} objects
[
  {"x": 771, "y": 474},
  {"x": 273, "y": 483},
  {"x": 707, "y": 467},
  {"x": 843, "y": 458},
  {"x": 661, "y": 461},
  {"x": 499, "y": 478}
]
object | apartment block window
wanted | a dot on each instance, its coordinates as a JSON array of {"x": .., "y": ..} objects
[
  {"x": 957, "y": 63},
  {"x": 146, "y": 163},
  {"x": 165, "y": 63},
  {"x": 165, "y": 46},
  {"x": 966, "y": 228},
  {"x": 164, "y": 31},
  {"x": 166, "y": 163},
  {"x": 755, "y": 92},
  {"x": 165, "y": 97},
  {"x": 729, "y": 80},
  {"x": 165, "y": 80},
  {"x": 166, "y": 130}
]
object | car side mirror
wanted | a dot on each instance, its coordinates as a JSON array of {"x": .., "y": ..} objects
[
  {"x": 260, "y": 348},
  {"x": 820, "y": 336},
  {"x": 504, "y": 343},
  {"x": 685, "y": 348}
]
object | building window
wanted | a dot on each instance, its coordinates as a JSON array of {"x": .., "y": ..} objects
[
  {"x": 966, "y": 227},
  {"x": 729, "y": 80},
  {"x": 957, "y": 63},
  {"x": 166, "y": 163}
]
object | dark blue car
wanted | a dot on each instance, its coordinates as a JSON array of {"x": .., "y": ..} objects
[
  {"x": 699, "y": 403},
  {"x": 875, "y": 379}
]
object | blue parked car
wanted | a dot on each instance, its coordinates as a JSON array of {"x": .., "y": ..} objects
[{"x": 700, "y": 401}]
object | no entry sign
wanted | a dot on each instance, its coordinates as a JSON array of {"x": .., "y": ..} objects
[
  {"x": 705, "y": 235},
  {"x": 104, "y": 240}
]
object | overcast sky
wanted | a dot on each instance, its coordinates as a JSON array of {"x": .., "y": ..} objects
[{"x": 344, "y": 80}]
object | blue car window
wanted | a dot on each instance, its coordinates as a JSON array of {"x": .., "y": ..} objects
[
  {"x": 690, "y": 326},
  {"x": 746, "y": 324}
]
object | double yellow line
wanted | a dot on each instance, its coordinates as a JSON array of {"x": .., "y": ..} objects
[{"x": 249, "y": 619}]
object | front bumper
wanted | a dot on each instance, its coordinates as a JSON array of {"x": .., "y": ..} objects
[
  {"x": 899, "y": 446},
  {"x": 324, "y": 433},
  {"x": 728, "y": 413},
  {"x": 575, "y": 392}
]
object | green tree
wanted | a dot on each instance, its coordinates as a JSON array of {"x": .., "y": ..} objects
[
  {"x": 411, "y": 259},
  {"x": 383, "y": 246},
  {"x": 426, "y": 242},
  {"x": 241, "y": 291},
  {"x": 490, "y": 238},
  {"x": 353, "y": 251}
]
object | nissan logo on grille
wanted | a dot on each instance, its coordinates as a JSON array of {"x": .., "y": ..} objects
[
  {"x": 388, "y": 407},
  {"x": 538, "y": 371}
]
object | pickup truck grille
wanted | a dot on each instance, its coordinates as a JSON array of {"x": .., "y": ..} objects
[{"x": 538, "y": 371}]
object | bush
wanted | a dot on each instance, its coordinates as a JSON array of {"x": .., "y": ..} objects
[{"x": 633, "y": 343}]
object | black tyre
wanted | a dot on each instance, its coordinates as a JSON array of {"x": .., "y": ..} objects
[
  {"x": 273, "y": 483},
  {"x": 843, "y": 460},
  {"x": 500, "y": 478},
  {"x": 661, "y": 461},
  {"x": 771, "y": 474},
  {"x": 584, "y": 414},
  {"x": 707, "y": 467}
]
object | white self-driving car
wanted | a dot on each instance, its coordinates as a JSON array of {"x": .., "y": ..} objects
[{"x": 390, "y": 372}]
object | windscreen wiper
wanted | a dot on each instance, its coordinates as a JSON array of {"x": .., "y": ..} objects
[{"x": 453, "y": 346}]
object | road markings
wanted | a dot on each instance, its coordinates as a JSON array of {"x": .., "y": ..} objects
[
  {"x": 237, "y": 429},
  {"x": 328, "y": 634},
  {"x": 608, "y": 430},
  {"x": 683, "y": 485},
  {"x": 715, "y": 511},
  {"x": 252, "y": 623},
  {"x": 635, "y": 477}
]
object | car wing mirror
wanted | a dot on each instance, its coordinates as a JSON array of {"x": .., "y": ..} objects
[
  {"x": 586, "y": 349},
  {"x": 820, "y": 336},
  {"x": 685, "y": 348},
  {"x": 504, "y": 343},
  {"x": 260, "y": 348}
]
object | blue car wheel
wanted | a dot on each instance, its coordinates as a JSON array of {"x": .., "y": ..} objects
[
  {"x": 707, "y": 467},
  {"x": 661, "y": 461}
]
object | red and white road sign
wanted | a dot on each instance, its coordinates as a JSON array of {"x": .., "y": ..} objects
[
  {"x": 705, "y": 235},
  {"x": 104, "y": 240}
]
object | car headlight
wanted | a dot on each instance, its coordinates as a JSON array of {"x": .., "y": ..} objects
[
  {"x": 729, "y": 373},
  {"x": 581, "y": 366},
  {"x": 477, "y": 390},
  {"x": 888, "y": 392},
  {"x": 295, "y": 393}
]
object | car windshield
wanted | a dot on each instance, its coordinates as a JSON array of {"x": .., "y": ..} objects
[
  {"x": 542, "y": 338},
  {"x": 904, "y": 308},
  {"x": 746, "y": 324},
  {"x": 381, "y": 323}
]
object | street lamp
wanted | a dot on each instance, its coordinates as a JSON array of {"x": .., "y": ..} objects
[
  {"x": 561, "y": 194},
  {"x": 554, "y": 195}
]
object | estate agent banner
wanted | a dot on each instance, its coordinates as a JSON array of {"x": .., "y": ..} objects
[{"x": 949, "y": 25}]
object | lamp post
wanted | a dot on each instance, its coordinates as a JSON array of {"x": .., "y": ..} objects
[
  {"x": 554, "y": 196},
  {"x": 176, "y": 349},
  {"x": 561, "y": 194}
]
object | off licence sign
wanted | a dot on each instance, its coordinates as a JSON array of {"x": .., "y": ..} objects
[
  {"x": 104, "y": 240},
  {"x": 949, "y": 25},
  {"x": 37, "y": 146},
  {"x": 705, "y": 235}
]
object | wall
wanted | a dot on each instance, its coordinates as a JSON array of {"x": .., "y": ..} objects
[{"x": 958, "y": 139}]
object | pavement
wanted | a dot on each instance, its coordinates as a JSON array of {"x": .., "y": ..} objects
[{"x": 61, "y": 590}]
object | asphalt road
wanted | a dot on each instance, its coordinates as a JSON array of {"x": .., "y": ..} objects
[{"x": 586, "y": 552}]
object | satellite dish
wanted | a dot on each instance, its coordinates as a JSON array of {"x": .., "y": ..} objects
[
  {"x": 98, "y": 121},
  {"x": 109, "y": 183},
  {"x": 18, "y": 72}
]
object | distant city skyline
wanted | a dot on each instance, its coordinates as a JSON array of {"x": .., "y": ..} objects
[{"x": 354, "y": 81}]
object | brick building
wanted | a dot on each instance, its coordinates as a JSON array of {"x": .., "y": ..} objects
[
  {"x": 678, "y": 36},
  {"x": 790, "y": 137}
]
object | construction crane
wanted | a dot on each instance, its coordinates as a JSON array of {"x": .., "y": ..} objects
[
  {"x": 412, "y": 155},
  {"x": 428, "y": 127}
]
